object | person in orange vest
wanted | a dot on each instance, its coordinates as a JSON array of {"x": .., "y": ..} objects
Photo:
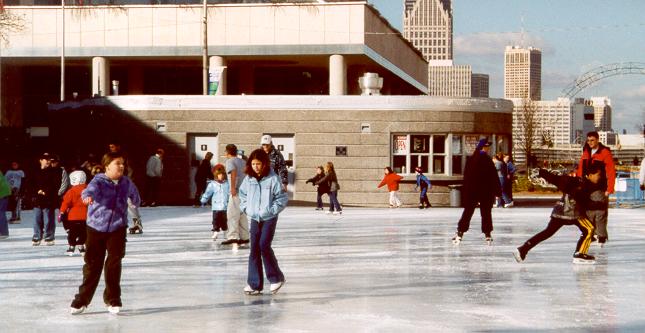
[{"x": 595, "y": 152}]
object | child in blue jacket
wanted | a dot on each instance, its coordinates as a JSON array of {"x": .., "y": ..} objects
[
  {"x": 107, "y": 221},
  {"x": 262, "y": 199},
  {"x": 424, "y": 183},
  {"x": 218, "y": 191}
]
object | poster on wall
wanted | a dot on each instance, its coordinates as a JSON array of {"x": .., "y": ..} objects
[
  {"x": 400, "y": 144},
  {"x": 214, "y": 76},
  {"x": 471, "y": 143}
]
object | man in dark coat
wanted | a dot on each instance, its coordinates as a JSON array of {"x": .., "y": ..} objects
[
  {"x": 44, "y": 190},
  {"x": 481, "y": 186},
  {"x": 202, "y": 177}
]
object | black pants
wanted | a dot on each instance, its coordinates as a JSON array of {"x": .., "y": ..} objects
[
  {"x": 200, "y": 188},
  {"x": 76, "y": 232},
  {"x": 219, "y": 220},
  {"x": 585, "y": 226},
  {"x": 485, "y": 207},
  {"x": 152, "y": 189},
  {"x": 97, "y": 244}
]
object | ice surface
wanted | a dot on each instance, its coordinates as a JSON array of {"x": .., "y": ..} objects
[{"x": 376, "y": 270}]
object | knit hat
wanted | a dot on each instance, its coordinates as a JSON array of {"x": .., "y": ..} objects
[
  {"x": 77, "y": 177},
  {"x": 483, "y": 143}
]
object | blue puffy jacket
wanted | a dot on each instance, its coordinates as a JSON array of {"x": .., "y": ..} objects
[
  {"x": 262, "y": 200},
  {"x": 219, "y": 192},
  {"x": 109, "y": 211}
]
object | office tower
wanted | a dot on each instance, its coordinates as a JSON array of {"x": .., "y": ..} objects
[
  {"x": 448, "y": 80},
  {"x": 522, "y": 73},
  {"x": 479, "y": 84},
  {"x": 427, "y": 24},
  {"x": 602, "y": 113}
]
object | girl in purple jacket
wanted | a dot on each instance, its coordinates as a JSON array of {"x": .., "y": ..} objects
[{"x": 107, "y": 199}]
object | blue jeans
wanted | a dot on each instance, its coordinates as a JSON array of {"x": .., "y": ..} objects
[
  {"x": 44, "y": 220},
  {"x": 319, "y": 202},
  {"x": 261, "y": 252},
  {"x": 504, "y": 199},
  {"x": 333, "y": 201},
  {"x": 4, "y": 226}
]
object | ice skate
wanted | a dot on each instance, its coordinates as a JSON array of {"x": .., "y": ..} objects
[
  {"x": 276, "y": 286},
  {"x": 81, "y": 250},
  {"x": 70, "y": 251},
  {"x": 75, "y": 311},
  {"x": 583, "y": 259},
  {"x": 519, "y": 257},
  {"x": 458, "y": 237},
  {"x": 489, "y": 240},
  {"x": 137, "y": 228},
  {"x": 250, "y": 291},
  {"x": 35, "y": 242}
]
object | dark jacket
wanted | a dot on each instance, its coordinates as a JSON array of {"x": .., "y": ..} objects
[
  {"x": 278, "y": 165},
  {"x": 481, "y": 183},
  {"x": 322, "y": 187},
  {"x": 204, "y": 173},
  {"x": 603, "y": 155},
  {"x": 47, "y": 180},
  {"x": 575, "y": 195},
  {"x": 330, "y": 181}
]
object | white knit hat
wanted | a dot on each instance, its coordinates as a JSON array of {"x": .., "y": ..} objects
[{"x": 77, "y": 177}]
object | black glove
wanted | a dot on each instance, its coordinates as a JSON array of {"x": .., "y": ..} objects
[
  {"x": 642, "y": 187},
  {"x": 543, "y": 173}
]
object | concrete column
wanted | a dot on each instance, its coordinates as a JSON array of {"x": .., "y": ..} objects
[
  {"x": 217, "y": 61},
  {"x": 100, "y": 76},
  {"x": 337, "y": 75}
]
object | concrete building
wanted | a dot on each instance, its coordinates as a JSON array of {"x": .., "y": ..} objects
[
  {"x": 427, "y": 24},
  {"x": 448, "y": 80},
  {"x": 360, "y": 134},
  {"x": 289, "y": 49},
  {"x": 602, "y": 113},
  {"x": 558, "y": 123},
  {"x": 289, "y": 69},
  {"x": 479, "y": 85},
  {"x": 523, "y": 73}
]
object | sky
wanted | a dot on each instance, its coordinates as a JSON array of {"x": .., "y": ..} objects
[{"x": 575, "y": 36}]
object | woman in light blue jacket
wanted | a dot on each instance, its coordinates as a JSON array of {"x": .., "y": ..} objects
[{"x": 262, "y": 199}]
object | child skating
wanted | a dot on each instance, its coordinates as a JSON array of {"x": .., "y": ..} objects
[
  {"x": 322, "y": 188},
  {"x": 424, "y": 184},
  {"x": 73, "y": 212},
  {"x": 107, "y": 220},
  {"x": 262, "y": 199},
  {"x": 570, "y": 210},
  {"x": 392, "y": 180},
  {"x": 218, "y": 191}
]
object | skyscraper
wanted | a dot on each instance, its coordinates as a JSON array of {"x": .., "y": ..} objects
[
  {"x": 523, "y": 73},
  {"x": 427, "y": 24},
  {"x": 479, "y": 85},
  {"x": 602, "y": 113}
]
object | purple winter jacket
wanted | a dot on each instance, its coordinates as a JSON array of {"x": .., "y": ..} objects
[{"x": 109, "y": 211}]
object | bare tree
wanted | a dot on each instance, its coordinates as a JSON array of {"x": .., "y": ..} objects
[
  {"x": 9, "y": 23},
  {"x": 528, "y": 127}
]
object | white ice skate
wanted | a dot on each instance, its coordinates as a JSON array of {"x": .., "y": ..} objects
[
  {"x": 489, "y": 240},
  {"x": 458, "y": 237},
  {"x": 137, "y": 228}
]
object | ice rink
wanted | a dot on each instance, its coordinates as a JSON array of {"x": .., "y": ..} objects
[{"x": 368, "y": 270}]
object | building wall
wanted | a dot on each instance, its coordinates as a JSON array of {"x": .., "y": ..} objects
[
  {"x": 602, "y": 113},
  {"x": 449, "y": 81},
  {"x": 427, "y": 24},
  {"x": 479, "y": 85},
  {"x": 319, "y": 124},
  {"x": 522, "y": 73}
]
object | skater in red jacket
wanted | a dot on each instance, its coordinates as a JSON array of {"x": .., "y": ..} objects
[
  {"x": 392, "y": 180},
  {"x": 73, "y": 213}
]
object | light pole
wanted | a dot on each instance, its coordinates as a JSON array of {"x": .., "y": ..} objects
[
  {"x": 62, "y": 55},
  {"x": 204, "y": 50}
]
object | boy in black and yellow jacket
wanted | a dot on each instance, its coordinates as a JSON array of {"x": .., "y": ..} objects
[{"x": 569, "y": 210}]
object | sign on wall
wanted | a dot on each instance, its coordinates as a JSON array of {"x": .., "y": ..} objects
[{"x": 400, "y": 144}]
